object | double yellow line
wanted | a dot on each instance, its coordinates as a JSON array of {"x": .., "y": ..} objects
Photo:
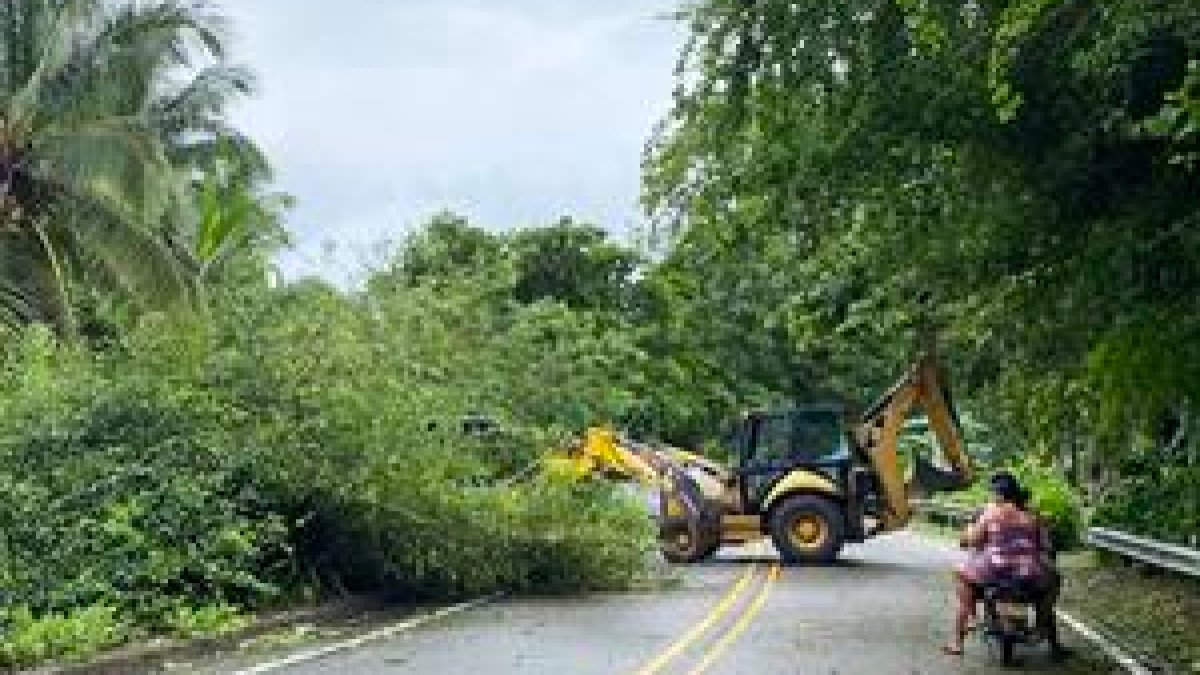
[{"x": 722, "y": 643}]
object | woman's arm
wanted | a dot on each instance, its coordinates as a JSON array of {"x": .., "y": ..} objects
[
  {"x": 975, "y": 533},
  {"x": 972, "y": 536}
]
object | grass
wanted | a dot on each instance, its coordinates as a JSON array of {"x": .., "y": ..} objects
[{"x": 1153, "y": 615}]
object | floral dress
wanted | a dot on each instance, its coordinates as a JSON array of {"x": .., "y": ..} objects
[{"x": 1011, "y": 547}]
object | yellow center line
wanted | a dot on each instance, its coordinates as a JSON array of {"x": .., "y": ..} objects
[
  {"x": 740, "y": 627},
  {"x": 714, "y": 615}
]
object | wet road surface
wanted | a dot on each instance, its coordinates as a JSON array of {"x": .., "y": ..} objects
[{"x": 885, "y": 609}]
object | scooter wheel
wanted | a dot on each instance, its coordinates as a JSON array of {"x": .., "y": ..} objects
[{"x": 1008, "y": 656}]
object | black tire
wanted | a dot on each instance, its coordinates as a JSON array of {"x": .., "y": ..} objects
[
  {"x": 683, "y": 544},
  {"x": 808, "y": 529},
  {"x": 1007, "y": 655}
]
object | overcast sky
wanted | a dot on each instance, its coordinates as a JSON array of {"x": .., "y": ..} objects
[{"x": 378, "y": 113}]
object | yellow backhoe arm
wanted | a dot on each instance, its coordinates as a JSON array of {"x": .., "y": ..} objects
[
  {"x": 600, "y": 453},
  {"x": 688, "y": 486},
  {"x": 879, "y": 434}
]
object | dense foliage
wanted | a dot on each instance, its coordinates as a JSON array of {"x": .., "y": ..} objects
[
  {"x": 166, "y": 471},
  {"x": 1159, "y": 503},
  {"x": 286, "y": 447},
  {"x": 109, "y": 111},
  {"x": 1027, "y": 168},
  {"x": 835, "y": 180}
]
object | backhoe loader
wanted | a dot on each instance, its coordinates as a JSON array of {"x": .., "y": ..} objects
[{"x": 811, "y": 479}]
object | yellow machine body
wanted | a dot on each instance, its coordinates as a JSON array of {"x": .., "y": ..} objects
[{"x": 809, "y": 505}]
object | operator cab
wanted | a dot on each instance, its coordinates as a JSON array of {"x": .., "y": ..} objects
[
  {"x": 771, "y": 444},
  {"x": 808, "y": 433}
]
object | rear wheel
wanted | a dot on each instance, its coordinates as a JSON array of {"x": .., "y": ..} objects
[
  {"x": 1007, "y": 647},
  {"x": 808, "y": 529}
]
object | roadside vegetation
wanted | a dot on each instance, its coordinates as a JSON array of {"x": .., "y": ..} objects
[
  {"x": 1151, "y": 614},
  {"x": 193, "y": 472},
  {"x": 185, "y": 438},
  {"x": 1027, "y": 168}
]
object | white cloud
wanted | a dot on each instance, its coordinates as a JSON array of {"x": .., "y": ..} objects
[{"x": 510, "y": 111}]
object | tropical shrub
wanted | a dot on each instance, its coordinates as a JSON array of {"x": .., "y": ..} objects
[
  {"x": 191, "y": 472},
  {"x": 1164, "y": 505}
]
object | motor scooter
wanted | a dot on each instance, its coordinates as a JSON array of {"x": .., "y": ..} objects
[{"x": 1009, "y": 619}]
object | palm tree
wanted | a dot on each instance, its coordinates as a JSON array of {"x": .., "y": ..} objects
[
  {"x": 109, "y": 113},
  {"x": 235, "y": 215}
]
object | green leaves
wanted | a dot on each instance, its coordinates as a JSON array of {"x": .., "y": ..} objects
[
  {"x": 99, "y": 150},
  {"x": 26, "y": 640},
  {"x": 194, "y": 471},
  {"x": 1017, "y": 21},
  {"x": 1178, "y": 121},
  {"x": 1158, "y": 503},
  {"x": 1026, "y": 166}
]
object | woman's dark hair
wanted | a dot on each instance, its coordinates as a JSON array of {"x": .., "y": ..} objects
[
  {"x": 1006, "y": 486},
  {"x": 1022, "y": 500}
]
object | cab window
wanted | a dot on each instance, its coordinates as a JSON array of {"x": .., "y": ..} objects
[
  {"x": 817, "y": 437},
  {"x": 774, "y": 440}
]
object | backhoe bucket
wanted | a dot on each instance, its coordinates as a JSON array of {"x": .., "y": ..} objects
[{"x": 927, "y": 478}]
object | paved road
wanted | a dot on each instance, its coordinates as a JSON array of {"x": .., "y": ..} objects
[{"x": 885, "y": 610}]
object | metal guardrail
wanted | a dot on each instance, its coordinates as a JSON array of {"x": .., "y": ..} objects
[
  {"x": 1181, "y": 559},
  {"x": 947, "y": 513}
]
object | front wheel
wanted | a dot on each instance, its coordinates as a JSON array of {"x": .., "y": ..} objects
[
  {"x": 684, "y": 544},
  {"x": 808, "y": 529}
]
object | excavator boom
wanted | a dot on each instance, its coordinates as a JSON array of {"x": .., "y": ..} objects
[{"x": 879, "y": 430}]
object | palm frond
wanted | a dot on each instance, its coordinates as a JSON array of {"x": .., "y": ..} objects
[
  {"x": 32, "y": 283},
  {"x": 114, "y": 117},
  {"x": 118, "y": 161},
  {"x": 202, "y": 100},
  {"x": 120, "y": 255},
  {"x": 118, "y": 59},
  {"x": 54, "y": 29},
  {"x": 227, "y": 147},
  {"x": 18, "y": 305}
]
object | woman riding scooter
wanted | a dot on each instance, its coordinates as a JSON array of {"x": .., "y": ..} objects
[
  {"x": 1048, "y": 593},
  {"x": 1006, "y": 543}
]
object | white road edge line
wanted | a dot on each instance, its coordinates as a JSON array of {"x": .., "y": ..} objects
[
  {"x": 1110, "y": 648},
  {"x": 379, "y": 634}
]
